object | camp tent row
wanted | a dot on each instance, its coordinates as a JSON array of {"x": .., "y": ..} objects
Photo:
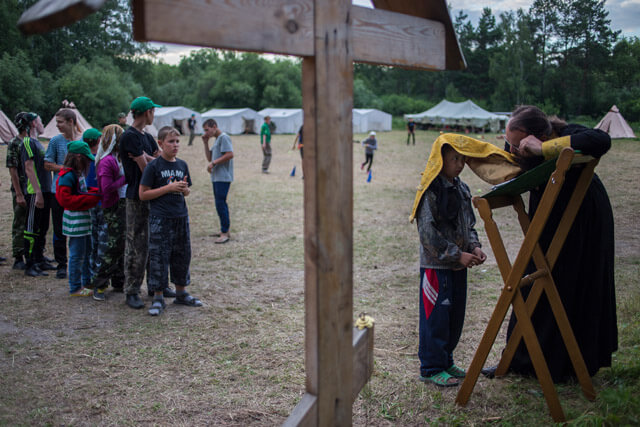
[
  {"x": 235, "y": 121},
  {"x": 463, "y": 114}
]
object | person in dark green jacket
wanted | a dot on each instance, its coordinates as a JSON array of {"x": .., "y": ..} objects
[{"x": 265, "y": 141}]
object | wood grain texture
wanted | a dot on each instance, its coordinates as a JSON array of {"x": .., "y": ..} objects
[
  {"x": 436, "y": 10},
  {"x": 332, "y": 199},
  {"x": 286, "y": 27},
  {"x": 362, "y": 359},
  {"x": 305, "y": 413}
]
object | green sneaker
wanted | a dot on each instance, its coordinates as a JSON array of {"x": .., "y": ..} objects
[
  {"x": 98, "y": 294},
  {"x": 441, "y": 379},
  {"x": 456, "y": 371}
]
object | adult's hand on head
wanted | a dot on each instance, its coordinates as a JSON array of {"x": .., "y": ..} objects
[{"x": 530, "y": 146}]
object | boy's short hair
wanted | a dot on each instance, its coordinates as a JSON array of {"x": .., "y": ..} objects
[
  {"x": 445, "y": 149},
  {"x": 210, "y": 123},
  {"x": 165, "y": 131},
  {"x": 67, "y": 114}
]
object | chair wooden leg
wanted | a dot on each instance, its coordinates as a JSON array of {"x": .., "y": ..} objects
[{"x": 537, "y": 358}]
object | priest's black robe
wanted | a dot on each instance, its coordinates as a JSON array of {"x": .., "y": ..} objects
[{"x": 583, "y": 273}]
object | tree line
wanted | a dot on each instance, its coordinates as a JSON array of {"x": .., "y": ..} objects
[{"x": 560, "y": 54}]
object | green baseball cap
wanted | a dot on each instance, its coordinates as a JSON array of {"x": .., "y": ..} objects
[
  {"x": 80, "y": 147},
  {"x": 142, "y": 104},
  {"x": 91, "y": 134}
]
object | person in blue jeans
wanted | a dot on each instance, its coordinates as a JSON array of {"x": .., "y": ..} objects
[
  {"x": 77, "y": 200},
  {"x": 220, "y": 158},
  {"x": 448, "y": 246}
]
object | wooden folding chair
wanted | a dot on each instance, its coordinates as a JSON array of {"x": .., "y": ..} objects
[{"x": 509, "y": 194}]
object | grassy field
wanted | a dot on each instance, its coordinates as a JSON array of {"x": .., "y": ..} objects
[{"x": 239, "y": 360}]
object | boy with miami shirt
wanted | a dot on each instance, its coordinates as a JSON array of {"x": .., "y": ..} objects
[{"x": 165, "y": 183}]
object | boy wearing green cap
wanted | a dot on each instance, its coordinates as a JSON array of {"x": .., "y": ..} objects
[
  {"x": 77, "y": 199},
  {"x": 138, "y": 148}
]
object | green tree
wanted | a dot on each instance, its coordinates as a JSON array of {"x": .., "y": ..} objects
[
  {"x": 586, "y": 36},
  {"x": 513, "y": 67},
  {"x": 98, "y": 88},
  {"x": 20, "y": 90}
]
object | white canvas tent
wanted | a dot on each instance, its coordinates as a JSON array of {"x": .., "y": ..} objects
[
  {"x": 365, "y": 120},
  {"x": 150, "y": 129},
  {"x": 459, "y": 114},
  {"x": 615, "y": 125},
  {"x": 177, "y": 117},
  {"x": 51, "y": 130},
  {"x": 287, "y": 120},
  {"x": 235, "y": 121},
  {"x": 8, "y": 130}
]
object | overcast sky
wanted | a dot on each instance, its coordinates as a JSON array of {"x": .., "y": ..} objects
[{"x": 624, "y": 15}]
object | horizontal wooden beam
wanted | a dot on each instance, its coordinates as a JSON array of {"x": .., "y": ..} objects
[
  {"x": 306, "y": 410},
  {"x": 362, "y": 359},
  {"x": 286, "y": 27},
  {"x": 305, "y": 413}
]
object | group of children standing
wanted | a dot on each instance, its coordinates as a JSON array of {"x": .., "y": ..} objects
[
  {"x": 92, "y": 188},
  {"x": 142, "y": 194}
]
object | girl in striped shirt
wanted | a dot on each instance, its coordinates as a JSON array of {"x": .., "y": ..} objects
[{"x": 76, "y": 199}]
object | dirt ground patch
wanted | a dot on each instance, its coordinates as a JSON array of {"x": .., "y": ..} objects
[{"x": 239, "y": 360}]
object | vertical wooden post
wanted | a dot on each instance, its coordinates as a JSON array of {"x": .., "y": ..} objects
[{"x": 328, "y": 197}]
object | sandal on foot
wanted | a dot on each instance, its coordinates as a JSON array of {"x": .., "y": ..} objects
[
  {"x": 157, "y": 307},
  {"x": 186, "y": 299},
  {"x": 456, "y": 371},
  {"x": 441, "y": 379}
]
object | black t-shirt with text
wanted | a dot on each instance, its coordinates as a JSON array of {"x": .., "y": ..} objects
[
  {"x": 159, "y": 173},
  {"x": 135, "y": 143}
]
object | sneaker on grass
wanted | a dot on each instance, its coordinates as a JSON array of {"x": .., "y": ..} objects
[
  {"x": 157, "y": 306},
  {"x": 98, "y": 295},
  {"x": 82, "y": 292}
]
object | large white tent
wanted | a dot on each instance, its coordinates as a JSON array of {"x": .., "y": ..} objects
[
  {"x": 368, "y": 119},
  {"x": 8, "y": 130},
  {"x": 177, "y": 117},
  {"x": 51, "y": 130},
  {"x": 287, "y": 120},
  {"x": 459, "y": 114},
  {"x": 235, "y": 121},
  {"x": 615, "y": 125}
]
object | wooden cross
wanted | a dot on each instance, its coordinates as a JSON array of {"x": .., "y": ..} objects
[{"x": 329, "y": 35}]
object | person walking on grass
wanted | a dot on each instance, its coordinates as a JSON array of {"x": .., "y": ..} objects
[
  {"x": 265, "y": 141},
  {"x": 411, "y": 131},
  {"x": 448, "y": 246},
  {"x": 36, "y": 189},
  {"x": 191, "y": 124},
  {"x": 165, "y": 183},
  {"x": 77, "y": 200},
  {"x": 220, "y": 158},
  {"x": 370, "y": 145}
]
